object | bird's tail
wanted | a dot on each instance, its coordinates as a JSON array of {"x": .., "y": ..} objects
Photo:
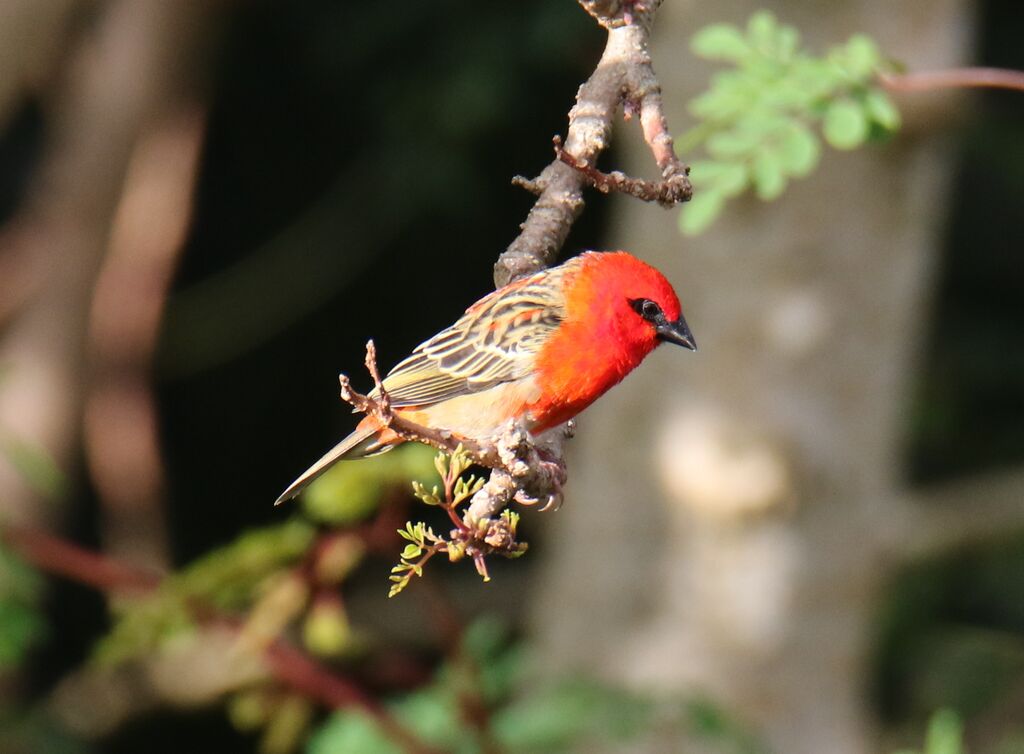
[{"x": 366, "y": 440}]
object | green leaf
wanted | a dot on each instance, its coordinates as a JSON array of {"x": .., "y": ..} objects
[
  {"x": 846, "y": 124},
  {"x": 698, "y": 213},
  {"x": 575, "y": 711},
  {"x": 881, "y": 109},
  {"x": 720, "y": 42},
  {"x": 35, "y": 465},
  {"x": 762, "y": 31},
  {"x": 499, "y": 662},
  {"x": 21, "y": 626},
  {"x": 18, "y": 580},
  {"x": 433, "y": 715},
  {"x": 732, "y": 143},
  {"x": 768, "y": 177},
  {"x": 484, "y": 638},
  {"x": 862, "y": 56},
  {"x": 350, "y": 732},
  {"x": 788, "y": 42},
  {"x": 799, "y": 150},
  {"x": 413, "y": 532},
  {"x": 814, "y": 81},
  {"x": 720, "y": 103},
  {"x": 945, "y": 734},
  {"x": 732, "y": 180},
  {"x": 411, "y": 551}
]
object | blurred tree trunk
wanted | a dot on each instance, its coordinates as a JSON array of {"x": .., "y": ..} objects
[
  {"x": 731, "y": 514},
  {"x": 123, "y": 77},
  {"x": 125, "y": 72}
]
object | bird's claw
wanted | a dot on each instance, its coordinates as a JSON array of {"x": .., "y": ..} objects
[{"x": 550, "y": 475}]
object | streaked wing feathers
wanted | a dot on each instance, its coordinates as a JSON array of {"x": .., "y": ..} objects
[{"x": 495, "y": 341}]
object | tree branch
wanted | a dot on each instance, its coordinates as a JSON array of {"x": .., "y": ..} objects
[
  {"x": 667, "y": 193},
  {"x": 59, "y": 557},
  {"x": 954, "y": 78},
  {"x": 958, "y": 514},
  {"x": 623, "y": 74}
]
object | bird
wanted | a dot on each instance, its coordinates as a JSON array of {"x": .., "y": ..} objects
[{"x": 538, "y": 350}]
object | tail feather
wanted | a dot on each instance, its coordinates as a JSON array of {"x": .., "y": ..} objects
[{"x": 365, "y": 441}]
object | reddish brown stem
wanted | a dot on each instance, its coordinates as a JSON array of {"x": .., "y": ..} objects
[
  {"x": 451, "y": 630},
  {"x": 286, "y": 663},
  {"x": 61, "y": 558},
  {"x": 292, "y": 667},
  {"x": 954, "y": 78},
  {"x": 450, "y": 480},
  {"x": 459, "y": 523}
]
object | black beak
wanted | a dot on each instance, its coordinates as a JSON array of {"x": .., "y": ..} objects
[{"x": 677, "y": 332}]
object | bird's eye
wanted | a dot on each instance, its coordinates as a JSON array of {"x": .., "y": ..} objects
[{"x": 646, "y": 308}]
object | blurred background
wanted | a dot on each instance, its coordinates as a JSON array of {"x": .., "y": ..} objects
[{"x": 807, "y": 537}]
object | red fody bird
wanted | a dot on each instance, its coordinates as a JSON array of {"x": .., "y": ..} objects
[{"x": 539, "y": 350}]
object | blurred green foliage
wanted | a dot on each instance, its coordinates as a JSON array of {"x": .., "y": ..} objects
[
  {"x": 951, "y": 634},
  {"x": 757, "y": 121},
  {"x": 229, "y": 578},
  {"x": 351, "y": 492},
  {"x": 456, "y": 489},
  {"x": 37, "y": 732},
  {"x": 21, "y": 622},
  {"x": 945, "y": 735},
  {"x": 528, "y": 714},
  {"x": 35, "y": 466}
]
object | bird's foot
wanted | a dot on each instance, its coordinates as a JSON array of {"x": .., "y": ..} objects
[{"x": 546, "y": 479}]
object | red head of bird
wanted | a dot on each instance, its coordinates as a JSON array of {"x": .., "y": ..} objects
[{"x": 617, "y": 310}]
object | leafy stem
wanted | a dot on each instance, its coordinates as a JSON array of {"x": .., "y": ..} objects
[{"x": 476, "y": 539}]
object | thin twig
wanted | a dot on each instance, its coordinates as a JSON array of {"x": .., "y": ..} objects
[
  {"x": 528, "y": 184},
  {"x": 377, "y": 404},
  {"x": 667, "y": 193},
  {"x": 954, "y": 78}
]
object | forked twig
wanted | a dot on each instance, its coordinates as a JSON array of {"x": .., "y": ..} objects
[{"x": 667, "y": 192}]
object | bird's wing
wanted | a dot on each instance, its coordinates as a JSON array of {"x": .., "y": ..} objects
[{"x": 495, "y": 341}]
